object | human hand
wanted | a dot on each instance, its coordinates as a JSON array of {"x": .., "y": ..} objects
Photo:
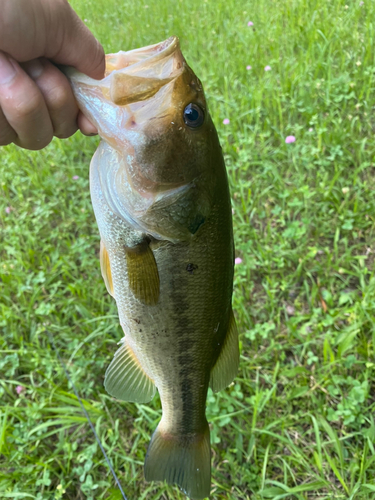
[{"x": 36, "y": 100}]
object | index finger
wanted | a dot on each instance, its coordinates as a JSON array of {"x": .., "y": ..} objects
[{"x": 23, "y": 106}]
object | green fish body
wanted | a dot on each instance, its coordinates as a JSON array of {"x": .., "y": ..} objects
[{"x": 160, "y": 194}]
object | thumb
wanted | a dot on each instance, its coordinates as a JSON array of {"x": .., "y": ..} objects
[
  {"x": 74, "y": 44},
  {"x": 30, "y": 29}
]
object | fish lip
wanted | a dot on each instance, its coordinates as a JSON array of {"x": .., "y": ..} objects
[
  {"x": 133, "y": 62},
  {"x": 136, "y": 60}
]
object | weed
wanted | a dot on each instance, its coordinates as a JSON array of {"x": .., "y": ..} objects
[{"x": 298, "y": 421}]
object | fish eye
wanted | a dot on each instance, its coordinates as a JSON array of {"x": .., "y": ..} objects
[{"x": 193, "y": 115}]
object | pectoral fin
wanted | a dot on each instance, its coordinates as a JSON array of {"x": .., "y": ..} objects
[
  {"x": 125, "y": 378},
  {"x": 226, "y": 366},
  {"x": 143, "y": 273},
  {"x": 106, "y": 268}
]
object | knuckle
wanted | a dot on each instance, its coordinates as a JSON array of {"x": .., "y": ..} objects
[
  {"x": 7, "y": 134},
  {"x": 59, "y": 97},
  {"x": 63, "y": 109},
  {"x": 42, "y": 142},
  {"x": 36, "y": 145},
  {"x": 6, "y": 137},
  {"x": 28, "y": 106},
  {"x": 62, "y": 132}
]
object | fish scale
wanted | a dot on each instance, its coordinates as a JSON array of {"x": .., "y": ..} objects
[{"x": 161, "y": 200}]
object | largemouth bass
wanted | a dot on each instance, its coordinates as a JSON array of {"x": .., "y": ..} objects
[{"x": 160, "y": 194}]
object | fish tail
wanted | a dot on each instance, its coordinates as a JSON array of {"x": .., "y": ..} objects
[{"x": 184, "y": 460}]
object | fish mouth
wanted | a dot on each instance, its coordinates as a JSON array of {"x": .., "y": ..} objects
[
  {"x": 139, "y": 74},
  {"x": 142, "y": 59}
]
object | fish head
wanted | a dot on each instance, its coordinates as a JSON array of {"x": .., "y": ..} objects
[
  {"x": 167, "y": 118},
  {"x": 151, "y": 109}
]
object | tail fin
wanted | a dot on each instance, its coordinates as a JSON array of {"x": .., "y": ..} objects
[{"x": 182, "y": 460}]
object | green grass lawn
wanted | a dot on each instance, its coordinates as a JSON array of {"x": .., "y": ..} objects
[{"x": 298, "y": 421}]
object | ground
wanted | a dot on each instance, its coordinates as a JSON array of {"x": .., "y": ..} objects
[{"x": 298, "y": 421}]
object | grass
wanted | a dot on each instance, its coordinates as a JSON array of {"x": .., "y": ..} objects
[{"x": 298, "y": 422}]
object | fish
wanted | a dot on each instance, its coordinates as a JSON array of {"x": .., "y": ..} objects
[{"x": 160, "y": 195}]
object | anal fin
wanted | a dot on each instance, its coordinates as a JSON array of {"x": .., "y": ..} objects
[
  {"x": 125, "y": 378},
  {"x": 106, "y": 268},
  {"x": 226, "y": 366},
  {"x": 143, "y": 273}
]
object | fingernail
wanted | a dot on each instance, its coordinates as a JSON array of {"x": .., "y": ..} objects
[
  {"x": 7, "y": 70},
  {"x": 33, "y": 68}
]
